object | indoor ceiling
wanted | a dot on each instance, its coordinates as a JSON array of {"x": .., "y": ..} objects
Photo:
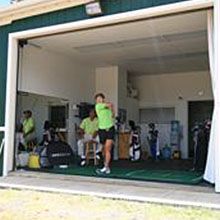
[{"x": 161, "y": 45}]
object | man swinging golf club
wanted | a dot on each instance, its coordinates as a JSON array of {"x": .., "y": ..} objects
[{"x": 105, "y": 113}]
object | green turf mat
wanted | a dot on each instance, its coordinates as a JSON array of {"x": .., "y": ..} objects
[{"x": 171, "y": 176}]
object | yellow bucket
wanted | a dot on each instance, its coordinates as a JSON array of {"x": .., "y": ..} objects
[{"x": 34, "y": 161}]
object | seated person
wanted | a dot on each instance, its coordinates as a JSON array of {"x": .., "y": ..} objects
[
  {"x": 47, "y": 136},
  {"x": 88, "y": 132},
  {"x": 28, "y": 127},
  {"x": 55, "y": 134},
  {"x": 41, "y": 149}
]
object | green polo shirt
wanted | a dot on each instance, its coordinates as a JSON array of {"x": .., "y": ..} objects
[
  {"x": 105, "y": 116},
  {"x": 28, "y": 125},
  {"x": 89, "y": 126}
]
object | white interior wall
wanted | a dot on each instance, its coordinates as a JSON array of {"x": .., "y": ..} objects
[
  {"x": 174, "y": 90},
  {"x": 132, "y": 109},
  {"x": 39, "y": 105},
  {"x": 50, "y": 74},
  {"x": 167, "y": 88},
  {"x": 112, "y": 81},
  {"x": 124, "y": 102}
]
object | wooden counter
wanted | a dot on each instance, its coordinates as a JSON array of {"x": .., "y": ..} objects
[{"x": 124, "y": 145}]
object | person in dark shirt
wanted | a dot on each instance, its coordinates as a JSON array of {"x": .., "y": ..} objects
[{"x": 153, "y": 140}]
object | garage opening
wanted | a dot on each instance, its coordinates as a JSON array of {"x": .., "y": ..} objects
[{"x": 151, "y": 70}]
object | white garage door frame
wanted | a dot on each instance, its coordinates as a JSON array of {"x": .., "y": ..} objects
[{"x": 11, "y": 89}]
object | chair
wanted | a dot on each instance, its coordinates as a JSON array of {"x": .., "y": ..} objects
[{"x": 91, "y": 152}]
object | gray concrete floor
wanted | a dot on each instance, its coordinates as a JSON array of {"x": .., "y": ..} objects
[{"x": 153, "y": 192}]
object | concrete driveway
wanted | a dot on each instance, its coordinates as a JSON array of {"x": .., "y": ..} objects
[{"x": 153, "y": 192}]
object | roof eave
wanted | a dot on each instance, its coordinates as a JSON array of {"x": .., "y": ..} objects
[{"x": 35, "y": 7}]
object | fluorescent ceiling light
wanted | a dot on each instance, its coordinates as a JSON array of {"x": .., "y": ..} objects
[{"x": 93, "y": 8}]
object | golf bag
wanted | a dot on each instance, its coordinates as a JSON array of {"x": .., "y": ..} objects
[
  {"x": 59, "y": 153},
  {"x": 202, "y": 146},
  {"x": 135, "y": 147}
]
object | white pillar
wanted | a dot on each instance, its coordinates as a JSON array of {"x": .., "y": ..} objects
[
  {"x": 107, "y": 83},
  {"x": 10, "y": 105},
  {"x": 217, "y": 98}
]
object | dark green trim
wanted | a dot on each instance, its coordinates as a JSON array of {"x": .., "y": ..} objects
[
  {"x": 3, "y": 70},
  {"x": 58, "y": 17},
  {"x": 1, "y": 155}
]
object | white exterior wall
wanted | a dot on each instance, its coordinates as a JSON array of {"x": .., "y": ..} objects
[{"x": 165, "y": 90}]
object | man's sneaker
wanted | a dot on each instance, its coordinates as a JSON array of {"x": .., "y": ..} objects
[
  {"x": 103, "y": 171},
  {"x": 83, "y": 162}
]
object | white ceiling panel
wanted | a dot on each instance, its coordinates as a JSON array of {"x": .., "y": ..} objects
[{"x": 129, "y": 44}]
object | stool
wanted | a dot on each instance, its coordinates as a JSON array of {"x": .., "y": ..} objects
[{"x": 91, "y": 152}]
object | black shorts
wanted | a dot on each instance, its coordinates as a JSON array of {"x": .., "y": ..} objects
[{"x": 106, "y": 134}]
